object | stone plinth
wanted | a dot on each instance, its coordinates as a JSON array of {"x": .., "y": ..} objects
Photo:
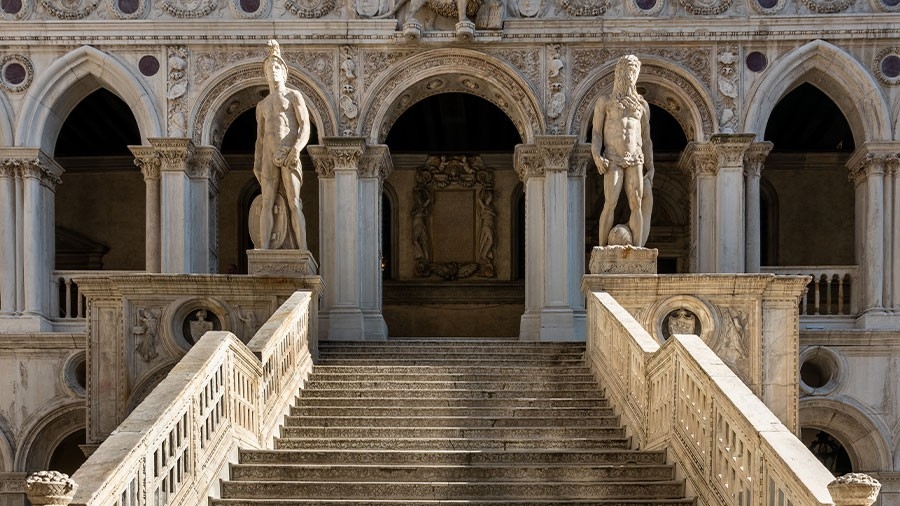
[
  {"x": 854, "y": 489},
  {"x": 280, "y": 262},
  {"x": 623, "y": 260}
]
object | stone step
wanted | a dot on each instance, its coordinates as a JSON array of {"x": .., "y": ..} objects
[
  {"x": 461, "y": 393},
  {"x": 460, "y": 402},
  {"x": 456, "y": 490},
  {"x": 548, "y": 356},
  {"x": 452, "y": 502},
  {"x": 380, "y": 420},
  {"x": 452, "y": 412},
  {"x": 420, "y": 473},
  {"x": 443, "y": 349},
  {"x": 484, "y": 362},
  {"x": 466, "y": 369},
  {"x": 321, "y": 373},
  {"x": 316, "y": 383},
  {"x": 473, "y": 433},
  {"x": 454, "y": 457},
  {"x": 397, "y": 443}
]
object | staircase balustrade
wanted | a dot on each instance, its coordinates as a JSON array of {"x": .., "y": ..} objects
[
  {"x": 177, "y": 444},
  {"x": 830, "y": 291},
  {"x": 681, "y": 397},
  {"x": 67, "y": 302}
]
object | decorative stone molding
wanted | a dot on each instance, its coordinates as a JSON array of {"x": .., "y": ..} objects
[
  {"x": 697, "y": 60},
  {"x": 317, "y": 63},
  {"x": 526, "y": 61},
  {"x": 188, "y": 9},
  {"x": 727, "y": 81},
  {"x": 209, "y": 62},
  {"x": 584, "y": 7},
  {"x": 26, "y": 68},
  {"x": 309, "y": 9},
  {"x": 854, "y": 489},
  {"x": 176, "y": 90},
  {"x": 827, "y": 6},
  {"x": 623, "y": 260},
  {"x": 70, "y": 10},
  {"x": 706, "y": 8},
  {"x": 348, "y": 102},
  {"x": 755, "y": 158},
  {"x": 12, "y": 483}
]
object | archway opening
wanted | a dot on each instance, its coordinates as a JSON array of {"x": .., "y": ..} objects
[
  {"x": 239, "y": 187},
  {"x": 668, "y": 225},
  {"x": 828, "y": 449},
  {"x": 455, "y": 232},
  {"x": 806, "y": 183},
  {"x": 67, "y": 457}
]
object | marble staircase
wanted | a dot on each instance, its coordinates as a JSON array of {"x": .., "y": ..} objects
[{"x": 461, "y": 421}]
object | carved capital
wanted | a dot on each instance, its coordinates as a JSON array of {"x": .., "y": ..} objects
[
  {"x": 555, "y": 150},
  {"x": 147, "y": 159},
  {"x": 175, "y": 153},
  {"x": 581, "y": 159},
  {"x": 874, "y": 159},
  {"x": 730, "y": 148},
  {"x": 30, "y": 163},
  {"x": 527, "y": 162},
  {"x": 208, "y": 163},
  {"x": 699, "y": 159},
  {"x": 755, "y": 158},
  {"x": 345, "y": 151},
  {"x": 322, "y": 161},
  {"x": 376, "y": 162}
]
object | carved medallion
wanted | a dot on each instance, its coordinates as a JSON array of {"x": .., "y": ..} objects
[
  {"x": 368, "y": 8},
  {"x": 585, "y": 7},
  {"x": 70, "y": 9},
  {"x": 681, "y": 321},
  {"x": 309, "y": 9},
  {"x": 529, "y": 8}
]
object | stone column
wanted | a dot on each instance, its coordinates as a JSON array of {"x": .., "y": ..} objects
[
  {"x": 207, "y": 169},
  {"x": 754, "y": 159},
  {"x": 699, "y": 161},
  {"x": 867, "y": 170},
  {"x": 8, "y": 213},
  {"x": 350, "y": 177},
  {"x": 149, "y": 161},
  {"x": 554, "y": 238},
  {"x": 177, "y": 243}
]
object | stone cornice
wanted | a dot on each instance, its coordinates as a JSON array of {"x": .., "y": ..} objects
[
  {"x": 144, "y": 284},
  {"x": 43, "y": 341}
]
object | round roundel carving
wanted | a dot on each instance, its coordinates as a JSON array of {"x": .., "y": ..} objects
[
  {"x": 757, "y": 62},
  {"x": 149, "y": 65},
  {"x": 16, "y": 72},
  {"x": 886, "y": 66}
]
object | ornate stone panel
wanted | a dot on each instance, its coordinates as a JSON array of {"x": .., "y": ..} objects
[{"x": 585, "y": 61}]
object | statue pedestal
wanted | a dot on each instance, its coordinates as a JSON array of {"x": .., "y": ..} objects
[
  {"x": 623, "y": 260},
  {"x": 280, "y": 262}
]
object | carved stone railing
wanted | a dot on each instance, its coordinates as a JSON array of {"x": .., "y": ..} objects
[
  {"x": 176, "y": 445},
  {"x": 831, "y": 290},
  {"x": 67, "y": 303},
  {"x": 731, "y": 449}
]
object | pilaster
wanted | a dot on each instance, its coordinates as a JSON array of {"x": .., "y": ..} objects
[
  {"x": 754, "y": 160},
  {"x": 553, "y": 171},
  {"x": 176, "y": 218},
  {"x": 351, "y": 174}
]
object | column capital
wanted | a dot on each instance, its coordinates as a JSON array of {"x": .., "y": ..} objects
[
  {"x": 208, "y": 163},
  {"x": 376, "y": 162},
  {"x": 699, "y": 159},
  {"x": 874, "y": 158},
  {"x": 148, "y": 160},
  {"x": 527, "y": 162},
  {"x": 755, "y": 157},
  {"x": 337, "y": 153},
  {"x": 175, "y": 153},
  {"x": 555, "y": 150},
  {"x": 30, "y": 163},
  {"x": 552, "y": 153},
  {"x": 730, "y": 148}
]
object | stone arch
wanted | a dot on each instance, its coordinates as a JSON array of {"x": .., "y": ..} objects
[
  {"x": 834, "y": 72},
  {"x": 667, "y": 86},
  {"x": 68, "y": 81},
  {"x": 449, "y": 71},
  {"x": 862, "y": 434},
  {"x": 147, "y": 383},
  {"x": 46, "y": 432},
  {"x": 6, "y": 121},
  {"x": 239, "y": 89}
]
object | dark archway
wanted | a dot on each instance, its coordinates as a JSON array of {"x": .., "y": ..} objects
[{"x": 807, "y": 171}]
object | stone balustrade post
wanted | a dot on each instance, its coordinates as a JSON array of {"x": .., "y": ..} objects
[
  {"x": 754, "y": 160},
  {"x": 351, "y": 174},
  {"x": 149, "y": 162},
  {"x": 554, "y": 237}
]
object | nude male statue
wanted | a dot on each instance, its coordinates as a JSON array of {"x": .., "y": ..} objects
[
  {"x": 621, "y": 146},
  {"x": 282, "y": 132}
]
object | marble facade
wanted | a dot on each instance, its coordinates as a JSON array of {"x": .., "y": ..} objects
[{"x": 173, "y": 203}]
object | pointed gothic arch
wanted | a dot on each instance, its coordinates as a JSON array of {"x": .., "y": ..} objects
[
  {"x": 449, "y": 71},
  {"x": 67, "y": 82},
  {"x": 240, "y": 88},
  {"x": 668, "y": 86},
  {"x": 837, "y": 74}
]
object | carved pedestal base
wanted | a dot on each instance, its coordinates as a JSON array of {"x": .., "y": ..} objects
[
  {"x": 280, "y": 262},
  {"x": 465, "y": 31},
  {"x": 623, "y": 260}
]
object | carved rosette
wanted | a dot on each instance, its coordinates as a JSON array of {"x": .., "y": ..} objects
[
  {"x": 706, "y": 8},
  {"x": 70, "y": 9},
  {"x": 348, "y": 94},
  {"x": 727, "y": 84},
  {"x": 580, "y": 8},
  {"x": 27, "y": 67},
  {"x": 876, "y": 65},
  {"x": 309, "y": 9},
  {"x": 827, "y": 6},
  {"x": 176, "y": 91}
]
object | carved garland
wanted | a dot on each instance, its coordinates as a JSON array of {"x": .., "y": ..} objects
[
  {"x": 188, "y": 9},
  {"x": 827, "y": 7},
  {"x": 701, "y": 8},
  {"x": 77, "y": 9},
  {"x": 585, "y": 7},
  {"x": 876, "y": 66},
  {"x": 438, "y": 173},
  {"x": 309, "y": 9},
  {"x": 25, "y": 63}
]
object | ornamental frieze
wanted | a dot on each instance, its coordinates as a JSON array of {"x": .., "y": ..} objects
[
  {"x": 188, "y": 9},
  {"x": 697, "y": 60},
  {"x": 309, "y": 9},
  {"x": 580, "y": 8},
  {"x": 706, "y": 7},
  {"x": 377, "y": 61},
  {"x": 827, "y": 6}
]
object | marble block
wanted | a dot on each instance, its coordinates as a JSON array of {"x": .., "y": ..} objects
[
  {"x": 623, "y": 260},
  {"x": 280, "y": 262}
]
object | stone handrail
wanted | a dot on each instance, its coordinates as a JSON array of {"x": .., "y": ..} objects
[
  {"x": 174, "y": 447},
  {"x": 681, "y": 397},
  {"x": 831, "y": 290}
]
